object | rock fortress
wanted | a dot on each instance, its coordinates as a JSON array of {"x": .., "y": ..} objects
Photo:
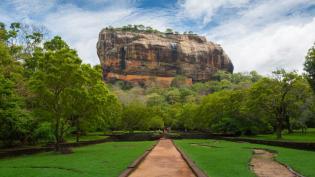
[{"x": 140, "y": 57}]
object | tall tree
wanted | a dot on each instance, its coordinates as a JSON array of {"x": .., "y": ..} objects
[
  {"x": 274, "y": 97},
  {"x": 91, "y": 104},
  {"x": 67, "y": 92},
  {"x": 57, "y": 75},
  {"x": 309, "y": 66},
  {"x": 14, "y": 118},
  {"x": 135, "y": 116}
]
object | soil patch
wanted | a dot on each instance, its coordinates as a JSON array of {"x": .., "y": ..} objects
[{"x": 204, "y": 145}]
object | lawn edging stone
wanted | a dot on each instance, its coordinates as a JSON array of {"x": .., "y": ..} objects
[
  {"x": 24, "y": 151},
  {"x": 50, "y": 147},
  {"x": 288, "y": 144},
  {"x": 230, "y": 137},
  {"x": 34, "y": 150}
]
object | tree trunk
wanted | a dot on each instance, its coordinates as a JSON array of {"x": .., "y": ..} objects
[
  {"x": 78, "y": 130},
  {"x": 282, "y": 113},
  {"x": 288, "y": 123},
  {"x": 57, "y": 145},
  {"x": 280, "y": 125},
  {"x": 279, "y": 132}
]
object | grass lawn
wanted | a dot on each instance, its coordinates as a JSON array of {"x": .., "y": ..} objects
[
  {"x": 101, "y": 160},
  {"x": 309, "y": 136},
  {"x": 226, "y": 159}
]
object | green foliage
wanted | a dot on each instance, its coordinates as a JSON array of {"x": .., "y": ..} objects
[
  {"x": 15, "y": 122},
  {"x": 91, "y": 105},
  {"x": 309, "y": 66},
  {"x": 57, "y": 44},
  {"x": 56, "y": 77},
  {"x": 276, "y": 95},
  {"x": 44, "y": 132},
  {"x": 68, "y": 92},
  {"x": 169, "y": 31},
  {"x": 141, "y": 28},
  {"x": 306, "y": 135},
  {"x": 135, "y": 116},
  {"x": 224, "y": 112},
  {"x": 173, "y": 96},
  {"x": 188, "y": 117},
  {"x": 46, "y": 93},
  {"x": 179, "y": 81},
  {"x": 156, "y": 122},
  {"x": 135, "y": 28},
  {"x": 124, "y": 85},
  {"x": 63, "y": 91},
  {"x": 223, "y": 80},
  {"x": 155, "y": 99},
  {"x": 238, "y": 103}
]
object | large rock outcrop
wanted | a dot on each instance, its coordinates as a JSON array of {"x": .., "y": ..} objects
[{"x": 141, "y": 57}]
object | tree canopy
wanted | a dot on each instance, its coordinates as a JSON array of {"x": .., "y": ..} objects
[{"x": 47, "y": 93}]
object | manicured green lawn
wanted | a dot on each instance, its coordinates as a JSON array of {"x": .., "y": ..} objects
[
  {"x": 226, "y": 159},
  {"x": 309, "y": 136},
  {"x": 101, "y": 160}
]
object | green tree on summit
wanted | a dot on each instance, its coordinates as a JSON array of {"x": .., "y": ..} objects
[{"x": 169, "y": 30}]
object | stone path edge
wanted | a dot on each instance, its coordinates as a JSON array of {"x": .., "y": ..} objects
[
  {"x": 310, "y": 146},
  {"x": 137, "y": 162},
  {"x": 198, "y": 172}
]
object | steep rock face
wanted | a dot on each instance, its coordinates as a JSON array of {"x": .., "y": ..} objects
[{"x": 138, "y": 57}]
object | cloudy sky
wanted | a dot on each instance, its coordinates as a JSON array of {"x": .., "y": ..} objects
[{"x": 260, "y": 35}]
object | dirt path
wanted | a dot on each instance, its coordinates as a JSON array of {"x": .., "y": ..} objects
[
  {"x": 264, "y": 165},
  {"x": 163, "y": 161}
]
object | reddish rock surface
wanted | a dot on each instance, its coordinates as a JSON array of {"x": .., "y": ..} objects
[{"x": 140, "y": 56}]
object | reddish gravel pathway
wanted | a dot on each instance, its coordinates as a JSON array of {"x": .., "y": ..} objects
[{"x": 163, "y": 161}]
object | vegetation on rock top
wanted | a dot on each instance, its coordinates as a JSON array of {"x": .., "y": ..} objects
[{"x": 146, "y": 29}]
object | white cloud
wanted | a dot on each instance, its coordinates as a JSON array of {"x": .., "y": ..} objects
[
  {"x": 276, "y": 46},
  {"x": 80, "y": 27},
  {"x": 5, "y": 18},
  {"x": 206, "y": 9},
  {"x": 267, "y": 36},
  {"x": 28, "y": 7},
  {"x": 260, "y": 35}
]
